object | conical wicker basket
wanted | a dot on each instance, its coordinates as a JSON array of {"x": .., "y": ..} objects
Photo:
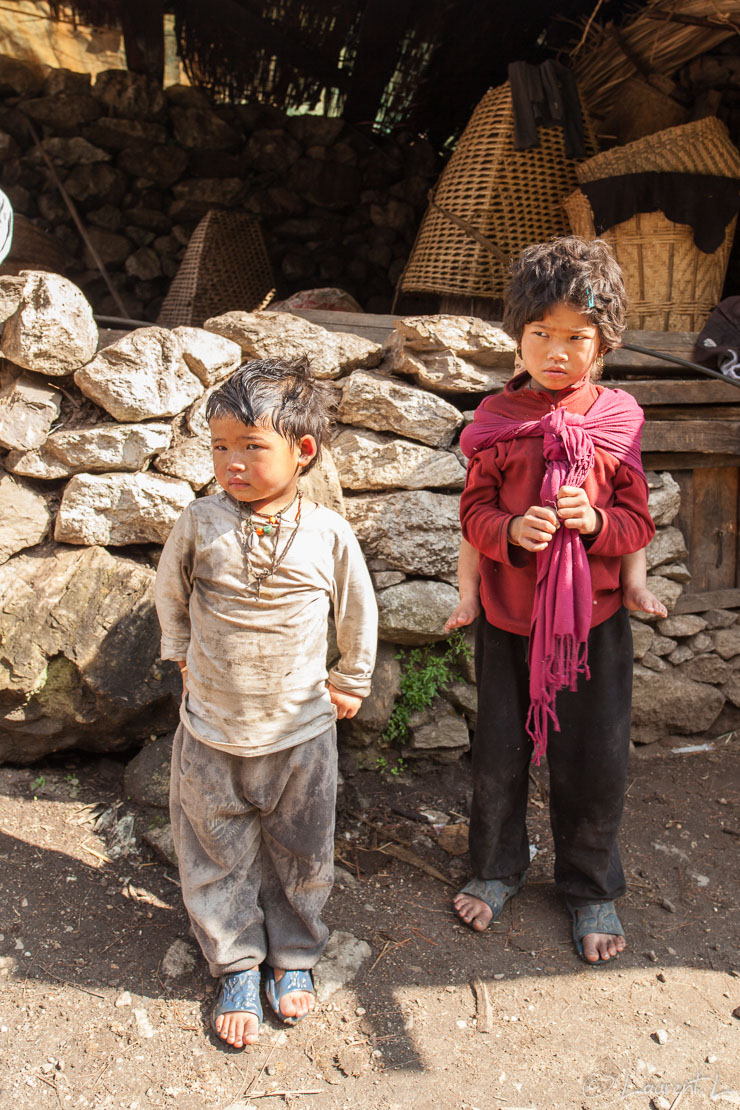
[
  {"x": 512, "y": 197},
  {"x": 671, "y": 284},
  {"x": 225, "y": 268}
]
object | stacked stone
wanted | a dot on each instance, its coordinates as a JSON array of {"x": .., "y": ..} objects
[
  {"x": 144, "y": 165},
  {"x": 104, "y": 448}
]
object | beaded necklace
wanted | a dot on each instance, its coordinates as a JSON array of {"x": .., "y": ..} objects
[{"x": 253, "y": 531}]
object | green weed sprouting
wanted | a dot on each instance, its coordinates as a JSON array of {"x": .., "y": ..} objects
[{"x": 424, "y": 672}]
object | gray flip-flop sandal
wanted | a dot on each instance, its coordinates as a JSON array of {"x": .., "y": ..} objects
[
  {"x": 595, "y": 917},
  {"x": 493, "y": 892}
]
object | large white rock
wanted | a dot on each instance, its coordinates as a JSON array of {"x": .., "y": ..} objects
[
  {"x": 52, "y": 331},
  {"x": 417, "y": 532},
  {"x": 141, "y": 376},
  {"x": 11, "y": 294},
  {"x": 189, "y": 457},
  {"x": 117, "y": 509},
  {"x": 99, "y": 449},
  {"x": 322, "y": 484},
  {"x": 282, "y": 335},
  {"x": 467, "y": 336},
  {"x": 663, "y": 703},
  {"x": 211, "y": 357},
  {"x": 28, "y": 408},
  {"x": 664, "y": 497},
  {"x": 443, "y": 370},
  {"x": 386, "y": 405},
  {"x": 415, "y": 612},
  {"x": 666, "y": 546},
  {"x": 438, "y": 727},
  {"x": 342, "y": 959},
  {"x": 81, "y": 663},
  {"x": 24, "y": 517},
  {"x": 369, "y": 460}
]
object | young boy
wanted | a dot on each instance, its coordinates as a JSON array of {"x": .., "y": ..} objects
[
  {"x": 243, "y": 591},
  {"x": 555, "y": 497}
]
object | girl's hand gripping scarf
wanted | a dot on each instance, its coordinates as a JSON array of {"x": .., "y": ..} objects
[{"x": 561, "y": 616}]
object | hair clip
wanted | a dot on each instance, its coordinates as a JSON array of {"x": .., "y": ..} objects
[{"x": 590, "y": 293}]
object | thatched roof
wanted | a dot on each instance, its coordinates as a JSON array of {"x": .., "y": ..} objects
[{"x": 423, "y": 64}]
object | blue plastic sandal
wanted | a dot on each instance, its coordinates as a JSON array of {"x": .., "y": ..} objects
[
  {"x": 238, "y": 991},
  {"x": 291, "y": 982},
  {"x": 595, "y": 917}
]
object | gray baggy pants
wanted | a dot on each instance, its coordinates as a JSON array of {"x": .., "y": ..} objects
[{"x": 254, "y": 837}]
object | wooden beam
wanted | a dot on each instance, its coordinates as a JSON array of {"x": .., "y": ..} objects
[
  {"x": 711, "y": 437},
  {"x": 686, "y": 460},
  {"x": 708, "y": 391},
  {"x": 712, "y": 599}
]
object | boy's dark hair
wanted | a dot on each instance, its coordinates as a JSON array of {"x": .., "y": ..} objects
[
  {"x": 284, "y": 391},
  {"x": 567, "y": 270}
]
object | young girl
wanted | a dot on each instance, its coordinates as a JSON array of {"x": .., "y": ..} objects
[{"x": 555, "y": 497}]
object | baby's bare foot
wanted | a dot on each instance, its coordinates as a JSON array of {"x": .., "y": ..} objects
[
  {"x": 473, "y": 911},
  {"x": 639, "y": 599},
  {"x": 465, "y": 613},
  {"x": 602, "y": 946}
]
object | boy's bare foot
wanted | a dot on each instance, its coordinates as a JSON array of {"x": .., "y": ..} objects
[
  {"x": 474, "y": 912},
  {"x": 602, "y": 946},
  {"x": 639, "y": 599},
  {"x": 295, "y": 1004},
  {"x": 465, "y": 613},
  {"x": 238, "y": 1012},
  {"x": 237, "y": 1028}
]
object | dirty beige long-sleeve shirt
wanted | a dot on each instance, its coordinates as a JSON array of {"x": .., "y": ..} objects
[{"x": 257, "y": 659}]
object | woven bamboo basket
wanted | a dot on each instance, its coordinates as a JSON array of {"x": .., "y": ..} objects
[
  {"x": 671, "y": 284},
  {"x": 225, "y": 268},
  {"x": 512, "y": 197}
]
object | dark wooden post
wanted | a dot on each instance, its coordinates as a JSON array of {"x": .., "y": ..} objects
[{"x": 142, "y": 23}]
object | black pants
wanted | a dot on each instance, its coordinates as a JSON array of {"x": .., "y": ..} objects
[{"x": 587, "y": 760}]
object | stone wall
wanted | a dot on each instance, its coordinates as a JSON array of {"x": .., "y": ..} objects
[
  {"x": 337, "y": 206},
  {"x": 103, "y": 449}
]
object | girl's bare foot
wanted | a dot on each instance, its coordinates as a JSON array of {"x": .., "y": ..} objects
[
  {"x": 473, "y": 911},
  {"x": 465, "y": 613},
  {"x": 639, "y": 599},
  {"x": 602, "y": 946}
]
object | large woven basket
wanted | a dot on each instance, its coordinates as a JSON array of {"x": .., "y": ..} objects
[
  {"x": 512, "y": 197},
  {"x": 225, "y": 268},
  {"x": 671, "y": 284}
]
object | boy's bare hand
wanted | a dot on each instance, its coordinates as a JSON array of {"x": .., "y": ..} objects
[
  {"x": 346, "y": 704},
  {"x": 183, "y": 675},
  {"x": 534, "y": 530},
  {"x": 575, "y": 511}
]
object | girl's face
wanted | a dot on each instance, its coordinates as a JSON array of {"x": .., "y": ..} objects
[{"x": 559, "y": 350}]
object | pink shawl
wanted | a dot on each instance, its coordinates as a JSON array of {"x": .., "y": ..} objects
[{"x": 561, "y": 615}]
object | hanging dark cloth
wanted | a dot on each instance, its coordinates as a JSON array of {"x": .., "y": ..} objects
[
  {"x": 718, "y": 343},
  {"x": 705, "y": 202},
  {"x": 546, "y": 96}
]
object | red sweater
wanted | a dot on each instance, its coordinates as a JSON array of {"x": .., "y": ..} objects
[{"x": 504, "y": 481}]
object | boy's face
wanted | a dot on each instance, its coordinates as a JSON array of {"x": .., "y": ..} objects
[
  {"x": 559, "y": 350},
  {"x": 254, "y": 463}
]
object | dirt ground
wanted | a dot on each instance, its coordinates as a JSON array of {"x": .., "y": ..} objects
[{"x": 98, "y": 1007}]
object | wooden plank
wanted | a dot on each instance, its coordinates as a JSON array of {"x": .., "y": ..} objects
[
  {"x": 712, "y": 541},
  {"x": 708, "y": 391},
  {"x": 686, "y": 460},
  {"x": 702, "y": 436},
  {"x": 714, "y": 599},
  {"x": 367, "y": 324},
  {"x": 677, "y": 343}
]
